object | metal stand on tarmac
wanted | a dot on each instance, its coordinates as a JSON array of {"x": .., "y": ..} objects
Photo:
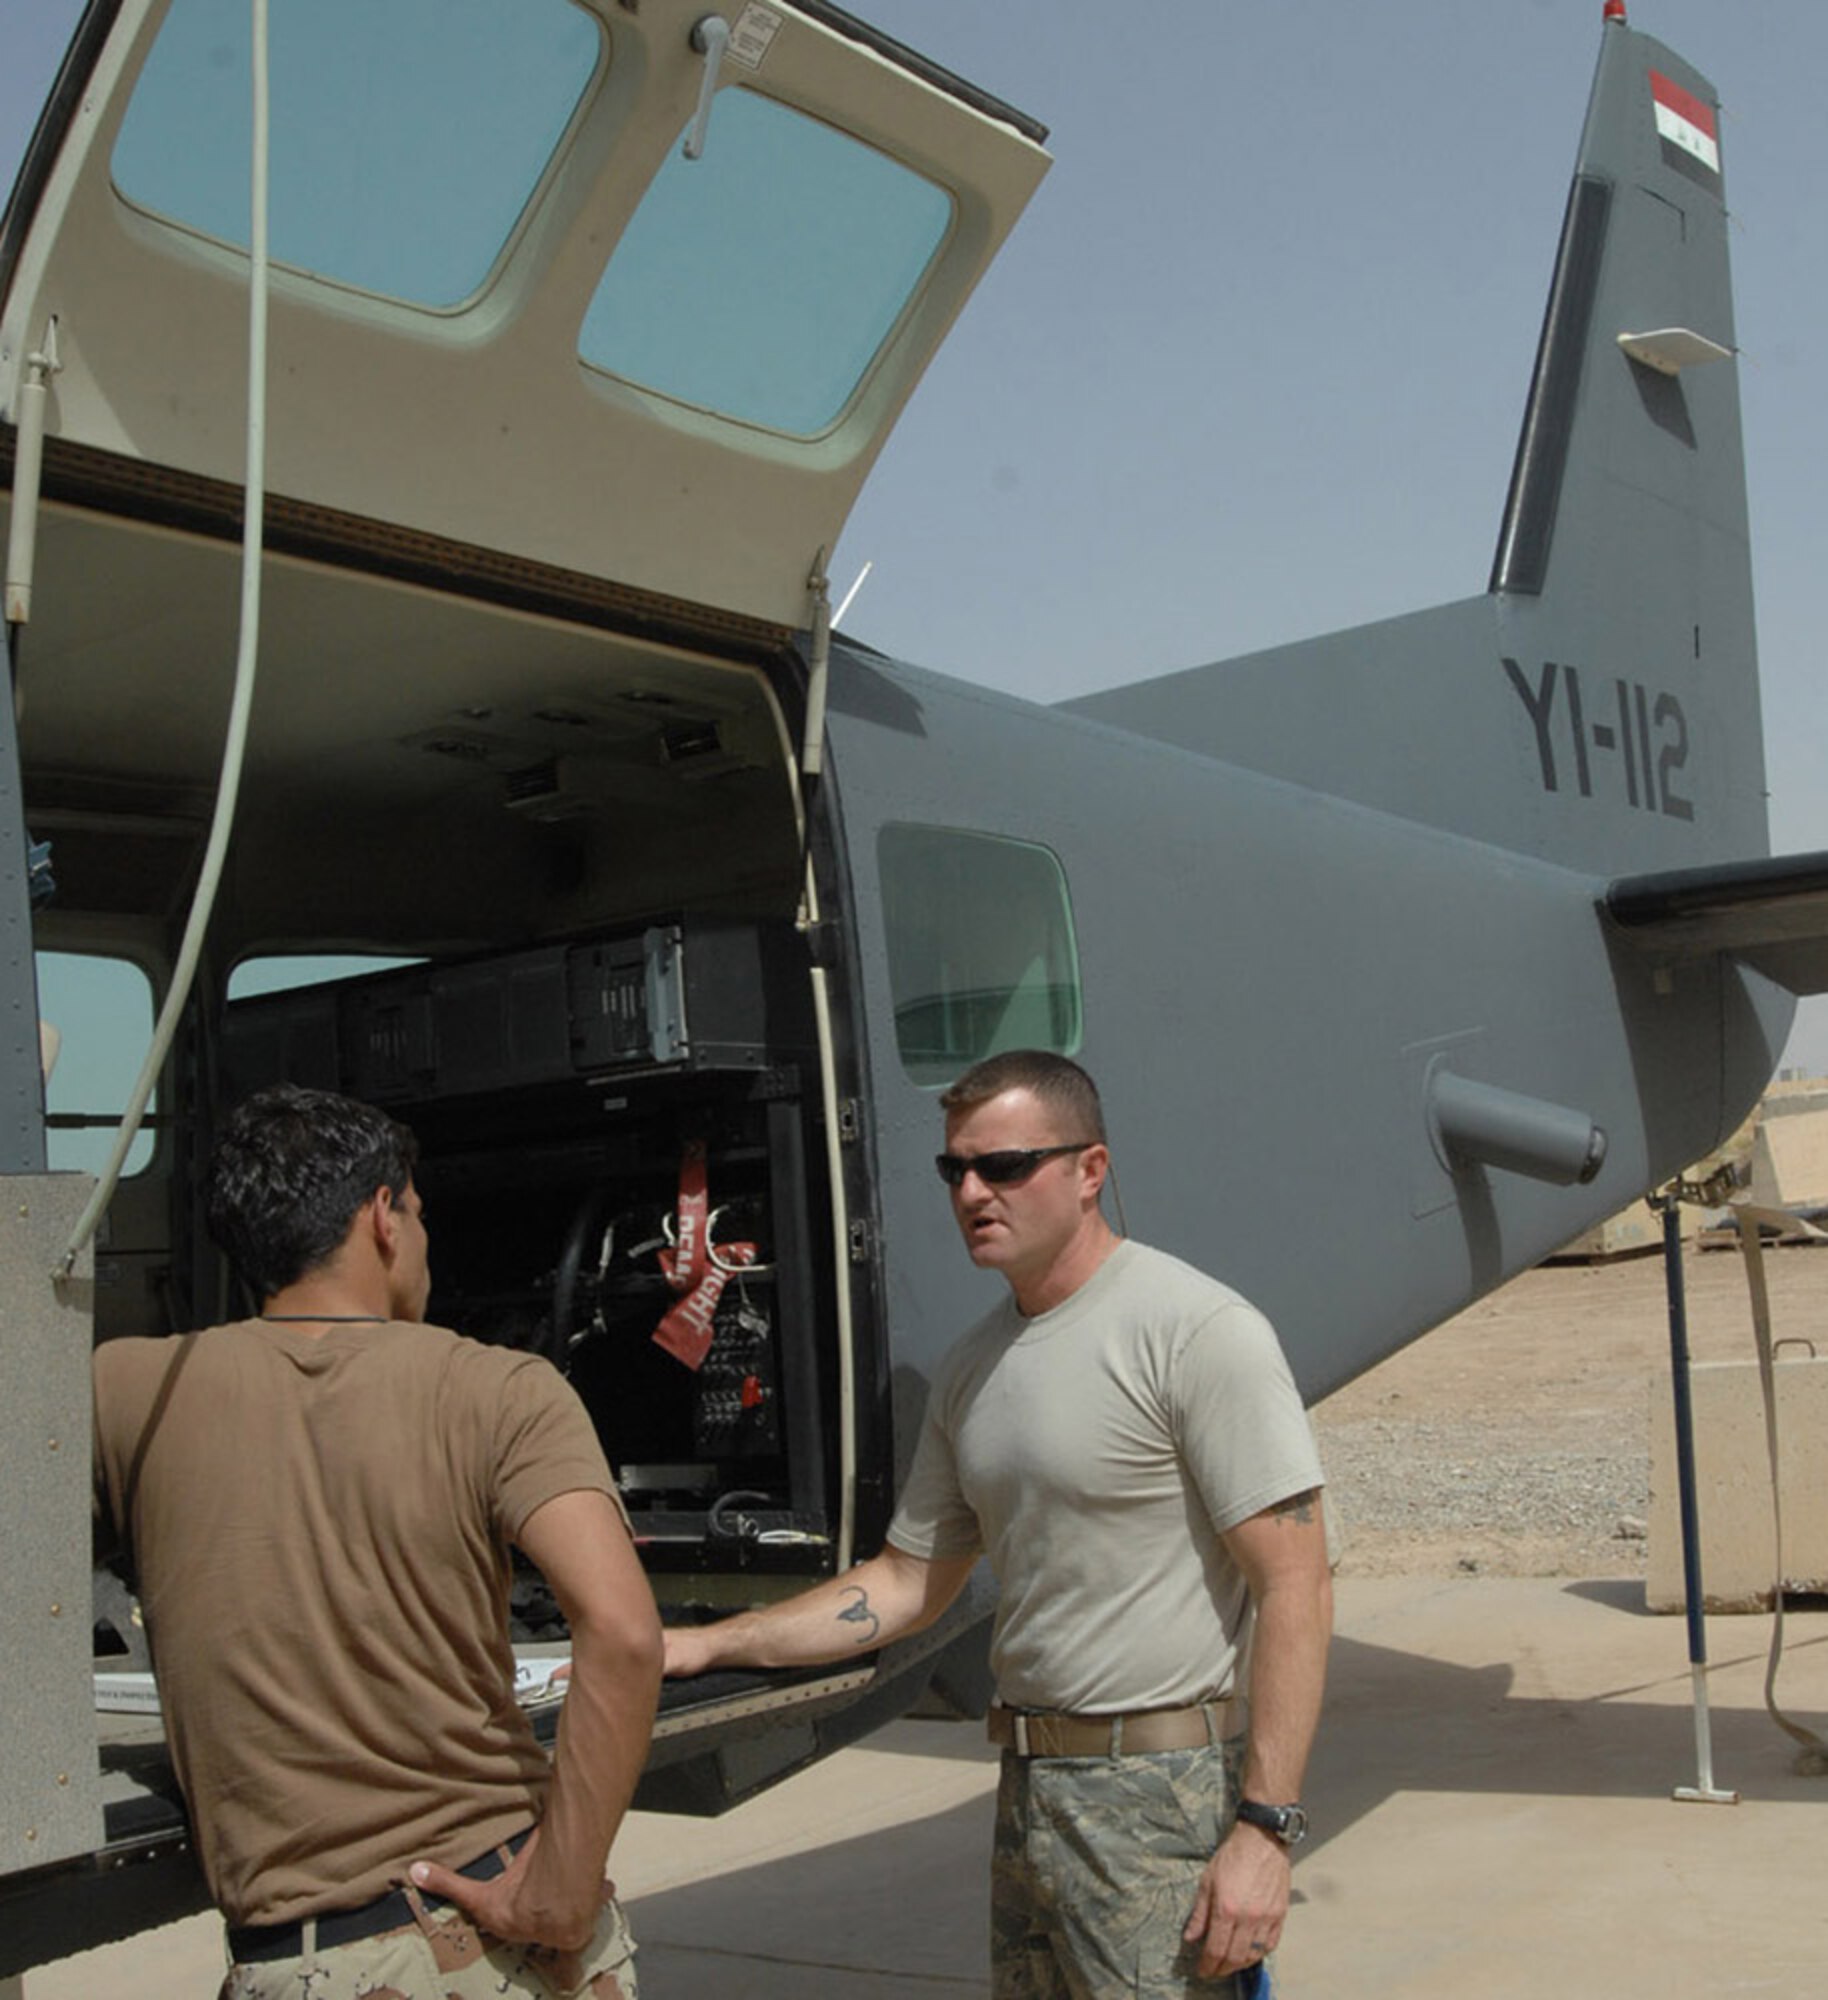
[{"x": 1703, "y": 1789}]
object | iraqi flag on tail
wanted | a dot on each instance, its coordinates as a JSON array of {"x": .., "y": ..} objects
[{"x": 1688, "y": 130}]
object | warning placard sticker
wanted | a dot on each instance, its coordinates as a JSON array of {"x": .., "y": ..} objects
[{"x": 752, "y": 36}]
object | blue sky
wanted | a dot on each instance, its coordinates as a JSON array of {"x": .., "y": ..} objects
[{"x": 1252, "y": 365}]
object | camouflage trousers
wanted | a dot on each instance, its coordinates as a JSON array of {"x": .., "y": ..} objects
[
  {"x": 1096, "y": 1865},
  {"x": 442, "y": 1956}
]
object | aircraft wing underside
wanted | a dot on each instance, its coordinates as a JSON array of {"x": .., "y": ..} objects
[{"x": 1771, "y": 913}]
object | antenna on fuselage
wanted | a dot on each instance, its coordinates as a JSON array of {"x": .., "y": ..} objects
[{"x": 850, "y": 596}]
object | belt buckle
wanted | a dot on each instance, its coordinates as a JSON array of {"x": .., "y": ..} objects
[{"x": 1021, "y": 1729}]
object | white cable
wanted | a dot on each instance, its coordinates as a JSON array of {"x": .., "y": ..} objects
[{"x": 234, "y": 747}]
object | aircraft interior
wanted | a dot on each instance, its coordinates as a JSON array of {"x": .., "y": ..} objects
[{"x": 571, "y": 854}]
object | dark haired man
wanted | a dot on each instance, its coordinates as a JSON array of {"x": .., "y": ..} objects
[
  {"x": 317, "y": 1504},
  {"x": 1122, "y": 1438}
]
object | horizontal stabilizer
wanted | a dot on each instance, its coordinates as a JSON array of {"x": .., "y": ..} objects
[{"x": 1771, "y": 913}]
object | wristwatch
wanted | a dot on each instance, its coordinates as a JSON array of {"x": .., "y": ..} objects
[{"x": 1288, "y": 1823}]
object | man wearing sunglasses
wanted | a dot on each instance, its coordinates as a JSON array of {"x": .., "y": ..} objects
[{"x": 1123, "y": 1440}]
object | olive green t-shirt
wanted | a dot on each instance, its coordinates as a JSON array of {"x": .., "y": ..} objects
[
  {"x": 320, "y": 1529},
  {"x": 1097, "y": 1454}
]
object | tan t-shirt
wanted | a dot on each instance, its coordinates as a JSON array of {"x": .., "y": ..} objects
[
  {"x": 319, "y": 1528},
  {"x": 1097, "y": 1453}
]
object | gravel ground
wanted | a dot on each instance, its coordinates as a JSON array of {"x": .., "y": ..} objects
[
  {"x": 1470, "y": 1497},
  {"x": 1514, "y": 1439}
]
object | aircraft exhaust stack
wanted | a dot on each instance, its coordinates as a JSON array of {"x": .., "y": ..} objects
[{"x": 1478, "y": 1123}]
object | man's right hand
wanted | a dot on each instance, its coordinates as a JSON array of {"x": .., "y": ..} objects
[
  {"x": 518, "y": 1905},
  {"x": 688, "y": 1651}
]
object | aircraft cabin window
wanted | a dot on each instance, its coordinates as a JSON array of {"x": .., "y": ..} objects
[
  {"x": 760, "y": 281},
  {"x": 101, "y": 1013},
  {"x": 980, "y": 946},
  {"x": 406, "y": 138},
  {"x": 285, "y": 972}
]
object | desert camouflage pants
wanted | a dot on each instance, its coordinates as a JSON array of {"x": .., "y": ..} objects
[
  {"x": 1096, "y": 1864},
  {"x": 443, "y": 1957}
]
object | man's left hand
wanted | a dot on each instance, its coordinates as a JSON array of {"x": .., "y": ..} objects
[{"x": 1242, "y": 1901}]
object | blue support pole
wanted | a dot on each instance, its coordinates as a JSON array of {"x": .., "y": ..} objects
[{"x": 1703, "y": 1788}]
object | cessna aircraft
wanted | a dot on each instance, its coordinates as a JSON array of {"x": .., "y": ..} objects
[{"x": 427, "y": 564}]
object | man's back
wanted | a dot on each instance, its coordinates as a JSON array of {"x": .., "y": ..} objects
[{"x": 320, "y": 1522}]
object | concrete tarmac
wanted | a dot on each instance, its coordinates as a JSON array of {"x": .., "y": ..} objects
[{"x": 1493, "y": 1811}]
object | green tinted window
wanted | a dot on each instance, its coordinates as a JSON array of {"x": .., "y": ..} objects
[
  {"x": 406, "y": 137},
  {"x": 100, "y": 1011},
  {"x": 981, "y": 951},
  {"x": 760, "y": 280}
]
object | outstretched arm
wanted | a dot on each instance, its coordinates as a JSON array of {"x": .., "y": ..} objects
[
  {"x": 1244, "y": 1895},
  {"x": 886, "y": 1598},
  {"x": 553, "y": 1892}
]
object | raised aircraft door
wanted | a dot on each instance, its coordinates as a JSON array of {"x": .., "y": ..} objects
[{"x": 507, "y": 311}]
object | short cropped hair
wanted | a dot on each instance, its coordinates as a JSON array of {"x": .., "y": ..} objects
[
  {"x": 290, "y": 1171},
  {"x": 1057, "y": 1082}
]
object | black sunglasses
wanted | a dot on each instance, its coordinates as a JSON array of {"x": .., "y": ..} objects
[{"x": 1005, "y": 1169}]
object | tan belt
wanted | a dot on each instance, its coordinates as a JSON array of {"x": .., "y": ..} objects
[{"x": 1034, "y": 1734}]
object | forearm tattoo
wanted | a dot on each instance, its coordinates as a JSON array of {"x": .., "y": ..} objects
[
  {"x": 858, "y": 1612},
  {"x": 1300, "y": 1508}
]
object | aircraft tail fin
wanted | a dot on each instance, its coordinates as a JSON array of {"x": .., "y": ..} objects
[{"x": 1598, "y": 705}]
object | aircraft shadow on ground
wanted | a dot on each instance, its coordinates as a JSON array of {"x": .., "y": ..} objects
[{"x": 1397, "y": 1721}]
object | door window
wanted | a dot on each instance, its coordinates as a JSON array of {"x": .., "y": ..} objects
[
  {"x": 406, "y": 139},
  {"x": 760, "y": 280}
]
